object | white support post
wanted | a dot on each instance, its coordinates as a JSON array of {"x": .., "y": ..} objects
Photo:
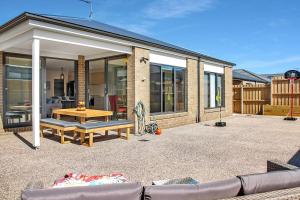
[{"x": 36, "y": 92}]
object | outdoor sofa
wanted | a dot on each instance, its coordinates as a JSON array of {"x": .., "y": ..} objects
[
  {"x": 283, "y": 185},
  {"x": 293, "y": 163}
]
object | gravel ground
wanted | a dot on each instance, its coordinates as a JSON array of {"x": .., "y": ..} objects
[{"x": 201, "y": 151}]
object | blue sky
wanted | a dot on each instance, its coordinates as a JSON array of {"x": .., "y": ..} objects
[{"x": 259, "y": 35}]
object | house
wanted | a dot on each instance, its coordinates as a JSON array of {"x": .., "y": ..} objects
[
  {"x": 50, "y": 62},
  {"x": 270, "y": 76},
  {"x": 245, "y": 77}
]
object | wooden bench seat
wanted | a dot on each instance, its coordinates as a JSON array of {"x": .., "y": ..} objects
[
  {"x": 91, "y": 128},
  {"x": 59, "y": 125}
]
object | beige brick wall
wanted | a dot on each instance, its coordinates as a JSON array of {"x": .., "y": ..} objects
[
  {"x": 213, "y": 114},
  {"x": 81, "y": 78},
  {"x": 138, "y": 81}
]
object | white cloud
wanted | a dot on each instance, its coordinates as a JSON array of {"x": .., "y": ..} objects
[
  {"x": 147, "y": 16},
  {"x": 159, "y": 9}
]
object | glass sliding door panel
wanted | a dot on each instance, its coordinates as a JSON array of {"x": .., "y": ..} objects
[
  {"x": 168, "y": 89},
  {"x": 212, "y": 90},
  {"x": 60, "y": 85},
  {"x": 117, "y": 87},
  {"x": 206, "y": 91},
  {"x": 155, "y": 89},
  {"x": 18, "y": 91},
  {"x": 180, "y": 90},
  {"x": 219, "y": 90},
  {"x": 96, "y": 85}
]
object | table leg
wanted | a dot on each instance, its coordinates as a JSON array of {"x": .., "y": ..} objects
[
  {"x": 106, "y": 119},
  {"x": 91, "y": 139},
  {"x": 119, "y": 132},
  {"x": 82, "y": 136},
  {"x": 127, "y": 133},
  {"x": 62, "y": 137},
  {"x": 41, "y": 130}
]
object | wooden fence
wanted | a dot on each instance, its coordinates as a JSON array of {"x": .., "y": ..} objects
[
  {"x": 274, "y": 99},
  {"x": 281, "y": 92},
  {"x": 250, "y": 99}
]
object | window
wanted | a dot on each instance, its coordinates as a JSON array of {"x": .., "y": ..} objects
[
  {"x": 155, "y": 89},
  {"x": 17, "y": 108},
  {"x": 214, "y": 90},
  {"x": 167, "y": 89},
  {"x": 180, "y": 89},
  {"x": 206, "y": 91}
]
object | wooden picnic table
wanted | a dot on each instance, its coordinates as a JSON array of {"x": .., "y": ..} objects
[{"x": 83, "y": 115}]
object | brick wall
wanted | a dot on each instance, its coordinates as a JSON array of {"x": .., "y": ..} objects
[
  {"x": 81, "y": 78},
  {"x": 138, "y": 81}
]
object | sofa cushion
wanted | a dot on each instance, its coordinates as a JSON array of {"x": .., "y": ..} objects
[
  {"x": 124, "y": 191},
  {"x": 207, "y": 191},
  {"x": 93, "y": 125},
  {"x": 265, "y": 182},
  {"x": 57, "y": 122}
]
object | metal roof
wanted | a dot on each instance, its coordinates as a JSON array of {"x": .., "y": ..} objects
[
  {"x": 242, "y": 74},
  {"x": 105, "y": 29}
]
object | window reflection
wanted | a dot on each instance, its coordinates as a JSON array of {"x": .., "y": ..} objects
[
  {"x": 167, "y": 89},
  {"x": 18, "y": 90}
]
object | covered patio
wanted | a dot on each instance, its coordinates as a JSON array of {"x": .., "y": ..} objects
[{"x": 44, "y": 44}]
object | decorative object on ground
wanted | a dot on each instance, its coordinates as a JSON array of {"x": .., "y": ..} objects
[
  {"x": 291, "y": 75},
  {"x": 187, "y": 180},
  {"x": 219, "y": 101},
  {"x": 73, "y": 180},
  {"x": 152, "y": 127},
  {"x": 140, "y": 111},
  {"x": 158, "y": 131},
  {"x": 81, "y": 106}
]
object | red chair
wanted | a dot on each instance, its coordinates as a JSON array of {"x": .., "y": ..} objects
[{"x": 118, "y": 111}]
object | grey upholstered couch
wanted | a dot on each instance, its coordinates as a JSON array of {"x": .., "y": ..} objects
[{"x": 272, "y": 185}]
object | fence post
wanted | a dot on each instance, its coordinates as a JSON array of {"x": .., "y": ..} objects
[
  {"x": 242, "y": 99},
  {"x": 271, "y": 90}
]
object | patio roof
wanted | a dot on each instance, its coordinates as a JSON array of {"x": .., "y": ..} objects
[{"x": 105, "y": 29}]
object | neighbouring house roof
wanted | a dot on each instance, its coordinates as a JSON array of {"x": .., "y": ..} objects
[
  {"x": 245, "y": 75},
  {"x": 105, "y": 29},
  {"x": 270, "y": 76}
]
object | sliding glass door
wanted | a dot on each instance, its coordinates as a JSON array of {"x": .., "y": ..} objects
[
  {"x": 58, "y": 88},
  {"x": 96, "y": 85},
  {"x": 107, "y": 85},
  {"x": 117, "y": 87},
  {"x": 17, "y": 91}
]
